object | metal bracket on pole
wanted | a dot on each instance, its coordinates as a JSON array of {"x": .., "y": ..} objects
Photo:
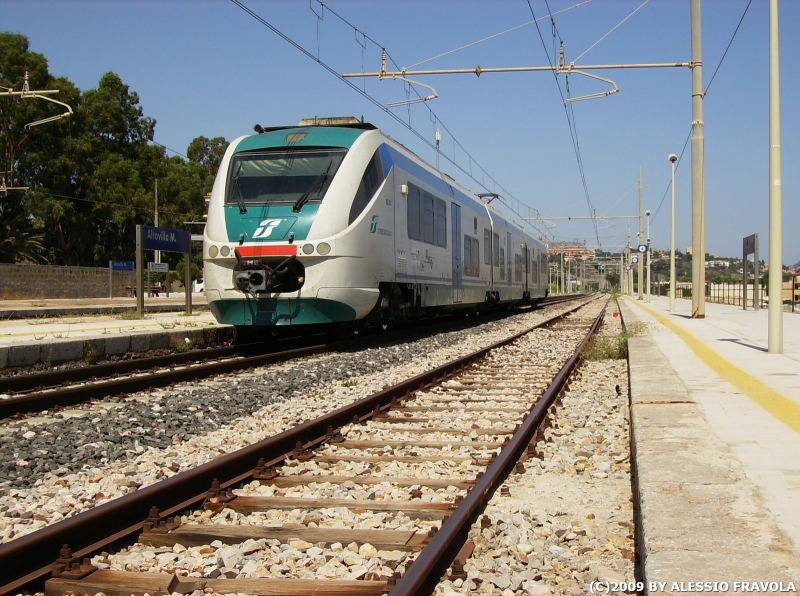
[{"x": 26, "y": 92}]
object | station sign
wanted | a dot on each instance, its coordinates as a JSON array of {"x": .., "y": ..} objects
[
  {"x": 158, "y": 267},
  {"x": 166, "y": 239},
  {"x": 121, "y": 265},
  {"x": 642, "y": 248},
  {"x": 634, "y": 260}
]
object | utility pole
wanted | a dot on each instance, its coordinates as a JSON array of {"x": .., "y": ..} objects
[
  {"x": 775, "y": 338},
  {"x": 641, "y": 230},
  {"x": 698, "y": 170},
  {"x": 155, "y": 221}
]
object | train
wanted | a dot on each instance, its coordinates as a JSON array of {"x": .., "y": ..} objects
[{"x": 331, "y": 223}]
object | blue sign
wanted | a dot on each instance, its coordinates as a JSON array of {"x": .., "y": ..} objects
[
  {"x": 165, "y": 239},
  {"x": 122, "y": 265},
  {"x": 642, "y": 248}
]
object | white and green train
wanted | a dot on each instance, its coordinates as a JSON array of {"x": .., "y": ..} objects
[{"x": 332, "y": 222}]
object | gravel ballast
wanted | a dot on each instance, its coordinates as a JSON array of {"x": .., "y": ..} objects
[{"x": 57, "y": 465}]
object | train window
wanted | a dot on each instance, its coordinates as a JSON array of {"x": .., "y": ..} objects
[
  {"x": 414, "y": 212},
  {"x": 272, "y": 177},
  {"x": 496, "y": 250},
  {"x": 467, "y": 256},
  {"x": 427, "y": 217},
  {"x": 370, "y": 182},
  {"x": 502, "y": 262},
  {"x": 487, "y": 247},
  {"x": 428, "y": 228},
  {"x": 475, "y": 224},
  {"x": 441, "y": 223},
  {"x": 472, "y": 256},
  {"x": 517, "y": 267}
]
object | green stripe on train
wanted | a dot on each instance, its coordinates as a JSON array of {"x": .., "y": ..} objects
[
  {"x": 314, "y": 137},
  {"x": 273, "y": 312},
  {"x": 274, "y": 220}
]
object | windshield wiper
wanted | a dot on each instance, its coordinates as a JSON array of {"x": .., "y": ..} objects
[
  {"x": 239, "y": 197},
  {"x": 320, "y": 181}
]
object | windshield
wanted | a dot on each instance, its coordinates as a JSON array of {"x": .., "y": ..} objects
[{"x": 282, "y": 176}]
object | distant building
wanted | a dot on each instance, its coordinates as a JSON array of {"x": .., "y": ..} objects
[
  {"x": 718, "y": 263},
  {"x": 688, "y": 250},
  {"x": 571, "y": 250}
]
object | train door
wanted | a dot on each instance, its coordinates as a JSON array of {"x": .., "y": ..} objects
[
  {"x": 508, "y": 258},
  {"x": 526, "y": 255},
  {"x": 455, "y": 216}
]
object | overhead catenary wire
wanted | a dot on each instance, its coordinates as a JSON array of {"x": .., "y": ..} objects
[
  {"x": 474, "y": 43},
  {"x": 610, "y": 32},
  {"x": 494, "y": 184},
  {"x": 567, "y": 111}
]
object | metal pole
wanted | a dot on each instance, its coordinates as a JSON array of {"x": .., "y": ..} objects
[
  {"x": 110, "y": 280},
  {"x": 673, "y": 158},
  {"x": 744, "y": 277},
  {"x": 775, "y": 342},
  {"x": 640, "y": 267},
  {"x": 698, "y": 170},
  {"x": 622, "y": 272},
  {"x": 139, "y": 272},
  {"x": 155, "y": 222},
  {"x": 187, "y": 281},
  {"x": 757, "y": 278}
]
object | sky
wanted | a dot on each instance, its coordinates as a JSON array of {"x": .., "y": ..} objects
[{"x": 207, "y": 67}]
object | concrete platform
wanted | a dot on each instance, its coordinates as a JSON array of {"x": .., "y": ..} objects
[
  {"x": 69, "y": 330},
  {"x": 37, "y": 308},
  {"x": 716, "y": 440}
]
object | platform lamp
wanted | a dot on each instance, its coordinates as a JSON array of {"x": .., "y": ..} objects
[
  {"x": 649, "y": 258},
  {"x": 673, "y": 158}
]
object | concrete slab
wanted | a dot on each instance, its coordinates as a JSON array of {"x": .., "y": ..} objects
[
  {"x": 63, "y": 351},
  {"x": 24, "y": 355}
]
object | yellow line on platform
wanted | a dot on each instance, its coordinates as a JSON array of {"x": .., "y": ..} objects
[{"x": 781, "y": 407}]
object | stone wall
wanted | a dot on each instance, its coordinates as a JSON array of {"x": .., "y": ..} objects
[{"x": 22, "y": 282}]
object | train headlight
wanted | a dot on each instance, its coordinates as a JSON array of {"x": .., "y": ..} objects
[
  {"x": 225, "y": 250},
  {"x": 308, "y": 249},
  {"x": 323, "y": 248},
  {"x": 212, "y": 251}
]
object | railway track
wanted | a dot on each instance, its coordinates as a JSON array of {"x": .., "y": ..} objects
[
  {"x": 67, "y": 387},
  {"x": 475, "y": 406}
]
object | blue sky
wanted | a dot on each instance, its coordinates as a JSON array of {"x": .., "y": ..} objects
[{"x": 207, "y": 68}]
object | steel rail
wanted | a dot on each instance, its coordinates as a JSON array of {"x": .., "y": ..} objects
[
  {"x": 424, "y": 574},
  {"x": 100, "y": 379},
  {"x": 28, "y": 559},
  {"x": 69, "y": 396},
  {"x": 54, "y": 378}
]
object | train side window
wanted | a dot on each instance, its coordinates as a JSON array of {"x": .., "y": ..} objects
[
  {"x": 468, "y": 256},
  {"x": 487, "y": 246},
  {"x": 517, "y": 267},
  {"x": 475, "y": 224},
  {"x": 414, "y": 213},
  {"x": 472, "y": 256},
  {"x": 370, "y": 182},
  {"x": 502, "y": 262},
  {"x": 428, "y": 229},
  {"x": 496, "y": 251},
  {"x": 441, "y": 223},
  {"x": 476, "y": 259}
]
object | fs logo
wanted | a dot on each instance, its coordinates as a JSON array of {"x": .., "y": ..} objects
[
  {"x": 373, "y": 227},
  {"x": 265, "y": 228}
]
